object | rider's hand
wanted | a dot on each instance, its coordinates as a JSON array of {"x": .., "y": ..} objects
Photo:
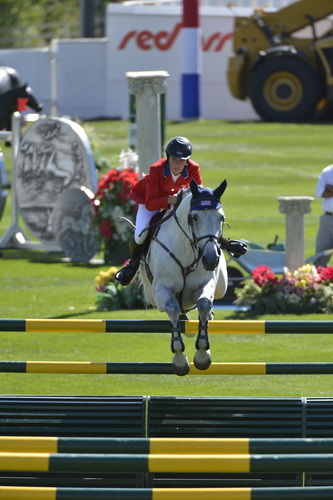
[{"x": 172, "y": 199}]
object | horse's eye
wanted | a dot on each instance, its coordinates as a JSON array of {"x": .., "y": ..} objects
[{"x": 195, "y": 217}]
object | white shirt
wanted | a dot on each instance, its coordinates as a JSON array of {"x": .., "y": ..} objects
[
  {"x": 175, "y": 177},
  {"x": 326, "y": 177}
]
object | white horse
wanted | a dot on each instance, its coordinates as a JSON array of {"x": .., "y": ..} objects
[{"x": 185, "y": 268}]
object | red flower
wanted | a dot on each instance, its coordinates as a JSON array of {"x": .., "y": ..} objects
[
  {"x": 113, "y": 189},
  {"x": 105, "y": 229},
  {"x": 262, "y": 275},
  {"x": 325, "y": 273}
]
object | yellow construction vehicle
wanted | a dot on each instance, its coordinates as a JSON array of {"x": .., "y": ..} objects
[{"x": 283, "y": 60}]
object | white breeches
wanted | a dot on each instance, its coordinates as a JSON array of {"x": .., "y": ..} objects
[{"x": 143, "y": 218}]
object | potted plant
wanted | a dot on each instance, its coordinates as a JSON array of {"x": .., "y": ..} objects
[
  {"x": 113, "y": 210},
  {"x": 307, "y": 290}
]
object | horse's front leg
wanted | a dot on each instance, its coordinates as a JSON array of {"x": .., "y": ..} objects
[
  {"x": 202, "y": 358},
  {"x": 165, "y": 301}
]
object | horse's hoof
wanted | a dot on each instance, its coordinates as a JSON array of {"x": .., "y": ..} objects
[
  {"x": 189, "y": 335},
  {"x": 202, "y": 360},
  {"x": 180, "y": 364}
]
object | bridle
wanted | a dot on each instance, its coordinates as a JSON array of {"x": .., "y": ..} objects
[
  {"x": 193, "y": 240},
  {"x": 209, "y": 237}
]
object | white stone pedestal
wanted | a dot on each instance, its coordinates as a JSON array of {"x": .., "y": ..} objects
[
  {"x": 147, "y": 87},
  {"x": 295, "y": 207}
]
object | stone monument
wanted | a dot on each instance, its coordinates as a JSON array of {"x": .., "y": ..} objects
[
  {"x": 73, "y": 224},
  {"x": 54, "y": 156}
]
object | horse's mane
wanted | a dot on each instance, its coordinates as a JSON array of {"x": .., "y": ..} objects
[{"x": 182, "y": 194}]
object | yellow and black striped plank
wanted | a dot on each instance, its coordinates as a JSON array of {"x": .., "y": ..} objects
[
  {"x": 283, "y": 493},
  {"x": 164, "y": 446},
  {"x": 61, "y": 462},
  {"x": 163, "y": 326},
  {"x": 105, "y": 368}
]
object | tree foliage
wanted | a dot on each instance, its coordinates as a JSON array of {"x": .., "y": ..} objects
[{"x": 32, "y": 23}]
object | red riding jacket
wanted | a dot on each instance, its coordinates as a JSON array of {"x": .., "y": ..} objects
[{"x": 153, "y": 190}]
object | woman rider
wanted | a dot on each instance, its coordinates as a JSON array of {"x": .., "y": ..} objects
[{"x": 158, "y": 191}]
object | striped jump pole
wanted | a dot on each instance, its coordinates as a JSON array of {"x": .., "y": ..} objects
[
  {"x": 106, "y": 368},
  {"x": 42, "y": 493},
  {"x": 164, "y": 446},
  {"x": 85, "y": 462},
  {"x": 162, "y": 326}
]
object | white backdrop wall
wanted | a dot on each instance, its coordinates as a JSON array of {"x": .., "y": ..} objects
[
  {"x": 85, "y": 78},
  {"x": 80, "y": 77},
  {"x": 146, "y": 38}
]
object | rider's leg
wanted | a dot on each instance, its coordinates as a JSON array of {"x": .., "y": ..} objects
[
  {"x": 235, "y": 248},
  {"x": 127, "y": 273}
]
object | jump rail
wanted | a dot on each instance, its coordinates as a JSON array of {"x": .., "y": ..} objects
[
  {"x": 295, "y": 493},
  {"x": 87, "y": 462},
  {"x": 162, "y": 326},
  {"x": 164, "y": 446},
  {"x": 105, "y": 368}
]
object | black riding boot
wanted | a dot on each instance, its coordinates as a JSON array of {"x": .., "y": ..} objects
[
  {"x": 235, "y": 248},
  {"x": 127, "y": 273}
]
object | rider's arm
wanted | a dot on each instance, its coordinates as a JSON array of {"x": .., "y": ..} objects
[{"x": 154, "y": 200}]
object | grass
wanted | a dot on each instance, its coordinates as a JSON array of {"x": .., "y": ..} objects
[{"x": 260, "y": 162}]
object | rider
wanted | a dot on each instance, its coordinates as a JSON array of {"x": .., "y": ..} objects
[{"x": 158, "y": 191}]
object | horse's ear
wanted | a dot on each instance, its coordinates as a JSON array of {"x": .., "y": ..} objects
[
  {"x": 218, "y": 192},
  {"x": 194, "y": 188}
]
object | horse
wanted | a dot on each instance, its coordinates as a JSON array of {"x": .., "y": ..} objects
[
  {"x": 185, "y": 268},
  {"x": 11, "y": 89}
]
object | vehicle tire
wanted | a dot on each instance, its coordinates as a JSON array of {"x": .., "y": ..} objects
[{"x": 284, "y": 89}]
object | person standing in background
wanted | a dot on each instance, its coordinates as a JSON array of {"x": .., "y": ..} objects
[{"x": 324, "y": 239}]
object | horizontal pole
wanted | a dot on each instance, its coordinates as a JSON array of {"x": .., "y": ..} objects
[
  {"x": 84, "y": 462},
  {"x": 162, "y": 326},
  {"x": 164, "y": 446},
  {"x": 105, "y": 368},
  {"x": 52, "y": 493}
]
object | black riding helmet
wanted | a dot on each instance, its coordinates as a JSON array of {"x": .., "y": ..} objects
[{"x": 179, "y": 147}]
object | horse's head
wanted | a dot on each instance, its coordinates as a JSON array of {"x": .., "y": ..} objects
[
  {"x": 205, "y": 219},
  {"x": 26, "y": 92}
]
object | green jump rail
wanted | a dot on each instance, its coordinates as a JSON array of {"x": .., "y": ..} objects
[
  {"x": 106, "y": 368},
  {"x": 162, "y": 326}
]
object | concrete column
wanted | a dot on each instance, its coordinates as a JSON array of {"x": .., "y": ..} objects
[
  {"x": 147, "y": 87},
  {"x": 295, "y": 207}
]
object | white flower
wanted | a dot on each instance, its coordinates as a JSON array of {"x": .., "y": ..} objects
[
  {"x": 121, "y": 224},
  {"x": 129, "y": 159}
]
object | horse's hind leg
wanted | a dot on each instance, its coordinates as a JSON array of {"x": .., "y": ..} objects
[{"x": 202, "y": 358}]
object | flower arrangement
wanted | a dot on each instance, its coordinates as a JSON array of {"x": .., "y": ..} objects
[
  {"x": 112, "y": 202},
  {"x": 112, "y": 296},
  {"x": 307, "y": 290}
]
